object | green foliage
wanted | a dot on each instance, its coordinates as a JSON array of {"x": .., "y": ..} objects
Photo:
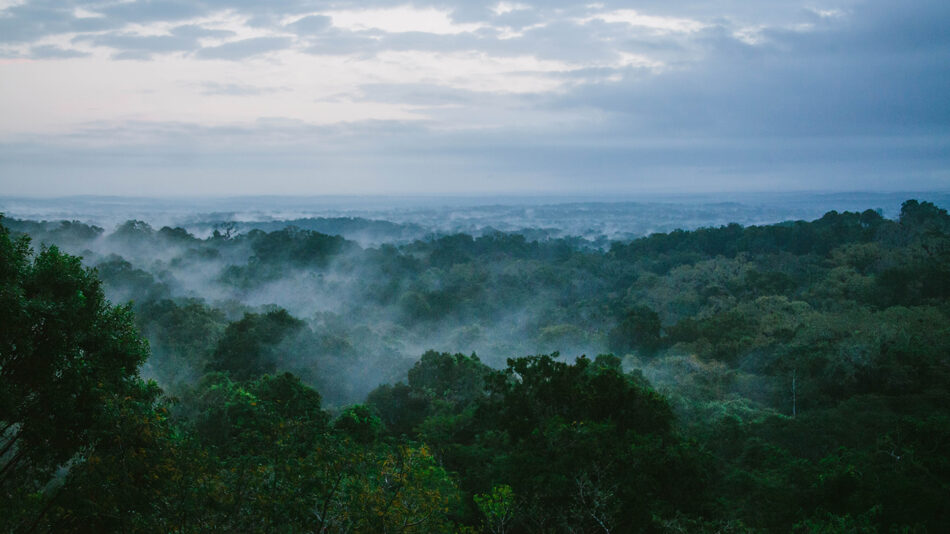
[
  {"x": 453, "y": 378},
  {"x": 498, "y": 508},
  {"x": 249, "y": 347},
  {"x": 131, "y": 283},
  {"x": 68, "y": 377},
  {"x": 359, "y": 423},
  {"x": 638, "y": 330},
  {"x": 791, "y": 377},
  {"x": 581, "y": 445},
  {"x": 183, "y": 334},
  {"x": 297, "y": 247},
  {"x": 401, "y": 408}
]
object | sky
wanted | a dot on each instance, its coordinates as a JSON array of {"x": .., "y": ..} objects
[{"x": 294, "y": 97}]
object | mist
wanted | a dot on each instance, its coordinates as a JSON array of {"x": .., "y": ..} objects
[{"x": 378, "y": 284}]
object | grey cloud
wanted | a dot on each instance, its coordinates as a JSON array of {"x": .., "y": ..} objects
[
  {"x": 853, "y": 102},
  {"x": 386, "y": 156},
  {"x": 197, "y": 32},
  {"x": 32, "y": 21},
  {"x": 838, "y": 79},
  {"x": 560, "y": 40},
  {"x": 54, "y": 52},
  {"x": 909, "y": 27},
  {"x": 420, "y": 94},
  {"x": 36, "y": 19},
  {"x": 434, "y": 42},
  {"x": 142, "y": 47},
  {"x": 521, "y": 18},
  {"x": 133, "y": 46},
  {"x": 235, "y": 89},
  {"x": 472, "y": 11},
  {"x": 264, "y": 20},
  {"x": 144, "y": 11},
  {"x": 310, "y": 24},
  {"x": 244, "y": 48},
  {"x": 854, "y": 35},
  {"x": 132, "y": 55},
  {"x": 568, "y": 41},
  {"x": 565, "y": 41},
  {"x": 339, "y": 42}
]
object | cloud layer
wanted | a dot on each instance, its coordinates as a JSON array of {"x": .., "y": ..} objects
[{"x": 168, "y": 97}]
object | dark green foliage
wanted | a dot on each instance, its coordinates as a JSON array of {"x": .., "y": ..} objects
[
  {"x": 177, "y": 235},
  {"x": 68, "y": 377},
  {"x": 71, "y": 234},
  {"x": 183, "y": 335},
  {"x": 401, "y": 408},
  {"x": 760, "y": 283},
  {"x": 665, "y": 251},
  {"x": 439, "y": 384},
  {"x": 582, "y": 444},
  {"x": 784, "y": 378},
  {"x": 924, "y": 218},
  {"x": 133, "y": 230},
  {"x": 270, "y": 461},
  {"x": 297, "y": 247},
  {"x": 249, "y": 347},
  {"x": 238, "y": 418},
  {"x": 577, "y": 443},
  {"x": 450, "y": 250},
  {"x": 133, "y": 283},
  {"x": 639, "y": 330},
  {"x": 359, "y": 423},
  {"x": 453, "y": 378}
]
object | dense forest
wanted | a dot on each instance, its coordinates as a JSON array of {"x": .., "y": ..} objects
[{"x": 789, "y": 377}]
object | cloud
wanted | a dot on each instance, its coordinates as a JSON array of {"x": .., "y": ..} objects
[
  {"x": 236, "y": 89},
  {"x": 310, "y": 24},
  {"x": 651, "y": 22},
  {"x": 30, "y": 22},
  {"x": 145, "y": 11},
  {"x": 245, "y": 48},
  {"x": 372, "y": 157},
  {"x": 418, "y": 94},
  {"x": 502, "y": 8},
  {"x": 557, "y": 94},
  {"x": 401, "y": 19},
  {"x": 54, "y": 52},
  {"x": 136, "y": 46},
  {"x": 196, "y": 31},
  {"x": 837, "y": 78},
  {"x": 343, "y": 43}
]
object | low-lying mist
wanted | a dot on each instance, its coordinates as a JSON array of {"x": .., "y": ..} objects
[
  {"x": 363, "y": 303},
  {"x": 367, "y": 313}
]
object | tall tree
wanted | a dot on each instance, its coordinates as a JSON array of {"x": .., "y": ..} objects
[{"x": 68, "y": 371}]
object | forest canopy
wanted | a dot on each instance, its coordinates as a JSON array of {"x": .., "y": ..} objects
[{"x": 789, "y": 377}]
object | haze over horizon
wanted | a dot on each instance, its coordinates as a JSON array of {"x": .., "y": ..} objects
[{"x": 159, "y": 98}]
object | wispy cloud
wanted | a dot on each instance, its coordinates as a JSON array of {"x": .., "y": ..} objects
[{"x": 245, "y": 48}]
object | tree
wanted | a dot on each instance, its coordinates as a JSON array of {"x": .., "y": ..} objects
[
  {"x": 498, "y": 508},
  {"x": 267, "y": 446},
  {"x": 583, "y": 446},
  {"x": 247, "y": 349},
  {"x": 68, "y": 372},
  {"x": 454, "y": 378},
  {"x": 638, "y": 330},
  {"x": 359, "y": 423},
  {"x": 403, "y": 490}
]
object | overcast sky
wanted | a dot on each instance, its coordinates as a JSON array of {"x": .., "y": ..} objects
[{"x": 233, "y": 97}]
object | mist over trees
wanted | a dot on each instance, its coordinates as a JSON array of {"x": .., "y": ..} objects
[{"x": 789, "y": 377}]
